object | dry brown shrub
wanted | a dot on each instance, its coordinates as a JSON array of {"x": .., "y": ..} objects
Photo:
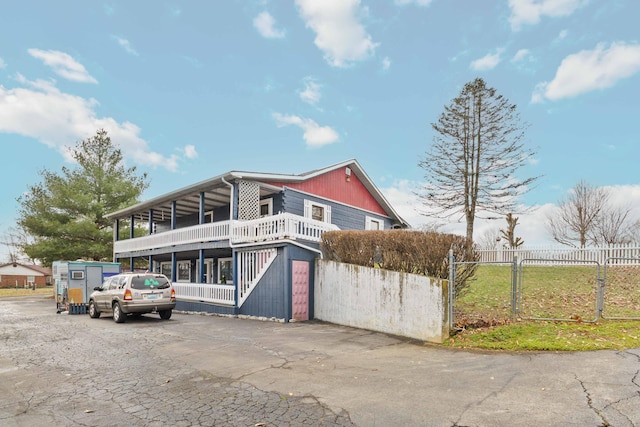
[{"x": 407, "y": 251}]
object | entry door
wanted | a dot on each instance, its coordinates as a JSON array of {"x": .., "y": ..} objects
[
  {"x": 300, "y": 290},
  {"x": 93, "y": 279}
]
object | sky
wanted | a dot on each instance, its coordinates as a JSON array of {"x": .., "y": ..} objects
[{"x": 189, "y": 90}]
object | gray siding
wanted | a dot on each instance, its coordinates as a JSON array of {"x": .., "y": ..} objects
[
  {"x": 345, "y": 217},
  {"x": 201, "y": 307},
  {"x": 268, "y": 299}
]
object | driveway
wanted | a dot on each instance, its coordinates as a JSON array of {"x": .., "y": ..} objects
[{"x": 59, "y": 369}]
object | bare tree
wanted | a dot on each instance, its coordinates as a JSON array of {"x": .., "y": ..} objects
[
  {"x": 578, "y": 215},
  {"x": 14, "y": 239},
  {"x": 612, "y": 226},
  {"x": 510, "y": 233},
  {"x": 490, "y": 239},
  {"x": 634, "y": 232},
  {"x": 477, "y": 149}
]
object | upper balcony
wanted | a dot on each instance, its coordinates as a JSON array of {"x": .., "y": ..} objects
[{"x": 280, "y": 226}]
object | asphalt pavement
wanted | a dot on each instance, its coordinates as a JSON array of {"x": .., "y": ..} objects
[{"x": 60, "y": 369}]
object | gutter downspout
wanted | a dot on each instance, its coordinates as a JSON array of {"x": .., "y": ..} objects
[
  {"x": 230, "y": 197},
  {"x": 231, "y": 222}
]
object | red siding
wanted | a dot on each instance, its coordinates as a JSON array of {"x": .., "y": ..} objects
[{"x": 334, "y": 185}]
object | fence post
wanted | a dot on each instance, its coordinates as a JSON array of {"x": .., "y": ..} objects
[
  {"x": 452, "y": 281},
  {"x": 514, "y": 287}
]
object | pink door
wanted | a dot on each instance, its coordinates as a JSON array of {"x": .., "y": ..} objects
[{"x": 300, "y": 290}]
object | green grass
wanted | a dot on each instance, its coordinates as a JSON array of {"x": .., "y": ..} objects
[
  {"x": 551, "y": 336},
  {"x": 566, "y": 293}
]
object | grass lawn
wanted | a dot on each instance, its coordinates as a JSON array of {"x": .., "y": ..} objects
[
  {"x": 566, "y": 294},
  {"x": 21, "y": 292}
]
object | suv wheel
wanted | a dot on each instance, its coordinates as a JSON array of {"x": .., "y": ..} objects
[
  {"x": 118, "y": 315},
  {"x": 93, "y": 310},
  {"x": 165, "y": 314}
]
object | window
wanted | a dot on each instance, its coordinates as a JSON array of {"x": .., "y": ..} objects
[
  {"x": 165, "y": 268},
  {"x": 184, "y": 271},
  {"x": 266, "y": 207},
  {"x": 371, "y": 223},
  {"x": 317, "y": 211},
  {"x": 208, "y": 217},
  {"x": 77, "y": 275},
  {"x": 225, "y": 270}
]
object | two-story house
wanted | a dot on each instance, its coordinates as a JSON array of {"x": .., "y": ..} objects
[{"x": 245, "y": 242}]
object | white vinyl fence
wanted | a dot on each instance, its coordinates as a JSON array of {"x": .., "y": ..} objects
[{"x": 625, "y": 254}]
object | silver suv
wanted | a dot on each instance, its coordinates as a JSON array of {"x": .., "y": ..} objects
[{"x": 133, "y": 293}]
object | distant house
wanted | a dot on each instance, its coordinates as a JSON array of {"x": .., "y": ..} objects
[
  {"x": 23, "y": 275},
  {"x": 245, "y": 242}
]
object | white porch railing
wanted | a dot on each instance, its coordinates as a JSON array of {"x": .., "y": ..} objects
[
  {"x": 251, "y": 267},
  {"x": 198, "y": 233},
  {"x": 205, "y": 292},
  {"x": 279, "y": 226}
]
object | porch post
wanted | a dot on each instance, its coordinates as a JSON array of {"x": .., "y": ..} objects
[
  {"x": 132, "y": 234},
  {"x": 201, "y": 261},
  {"x": 173, "y": 215},
  {"x": 116, "y": 237},
  {"x": 237, "y": 276},
  {"x": 150, "y": 221},
  {"x": 201, "y": 220},
  {"x": 151, "y": 264},
  {"x": 174, "y": 264}
]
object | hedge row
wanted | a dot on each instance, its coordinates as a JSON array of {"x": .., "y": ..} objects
[{"x": 409, "y": 251}]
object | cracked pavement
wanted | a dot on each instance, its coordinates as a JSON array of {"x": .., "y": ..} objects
[{"x": 196, "y": 370}]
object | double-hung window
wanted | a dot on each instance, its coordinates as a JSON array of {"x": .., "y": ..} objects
[{"x": 317, "y": 211}]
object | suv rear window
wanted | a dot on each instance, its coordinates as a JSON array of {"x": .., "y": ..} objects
[{"x": 149, "y": 282}]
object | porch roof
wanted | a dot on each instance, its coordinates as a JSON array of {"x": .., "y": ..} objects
[{"x": 217, "y": 193}]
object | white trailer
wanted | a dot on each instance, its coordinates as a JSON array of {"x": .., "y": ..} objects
[{"x": 74, "y": 280}]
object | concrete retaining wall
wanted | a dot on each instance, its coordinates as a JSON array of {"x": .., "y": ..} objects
[{"x": 380, "y": 300}]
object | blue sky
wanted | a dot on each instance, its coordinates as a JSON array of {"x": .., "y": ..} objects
[{"x": 192, "y": 89}]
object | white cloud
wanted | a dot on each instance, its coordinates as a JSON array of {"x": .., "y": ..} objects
[
  {"x": 487, "y": 62},
  {"x": 190, "y": 151},
  {"x": 589, "y": 70},
  {"x": 314, "y": 134},
  {"x": 41, "y": 111},
  {"x": 531, "y": 225},
  {"x": 521, "y": 55},
  {"x": 386, "y": 63},
  {"x": 311, "y": 93},
  {"x": 418, "y": 2},
  {"x": 339, "y": 34},
  {"x": 126, "y": 45},
  {"x": 529, "y": 12},
  {"x": 2, "y": 64},
  {"x": 63, "y": 65},
  {"x": 265, "y": 24}
]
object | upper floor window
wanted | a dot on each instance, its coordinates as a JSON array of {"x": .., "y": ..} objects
[
  {"x": 371, "y": 223},
  {"x": 317, "y": 211},
  {"x": 266, "y": 207},
  {"x": 208, "y": 217}
]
